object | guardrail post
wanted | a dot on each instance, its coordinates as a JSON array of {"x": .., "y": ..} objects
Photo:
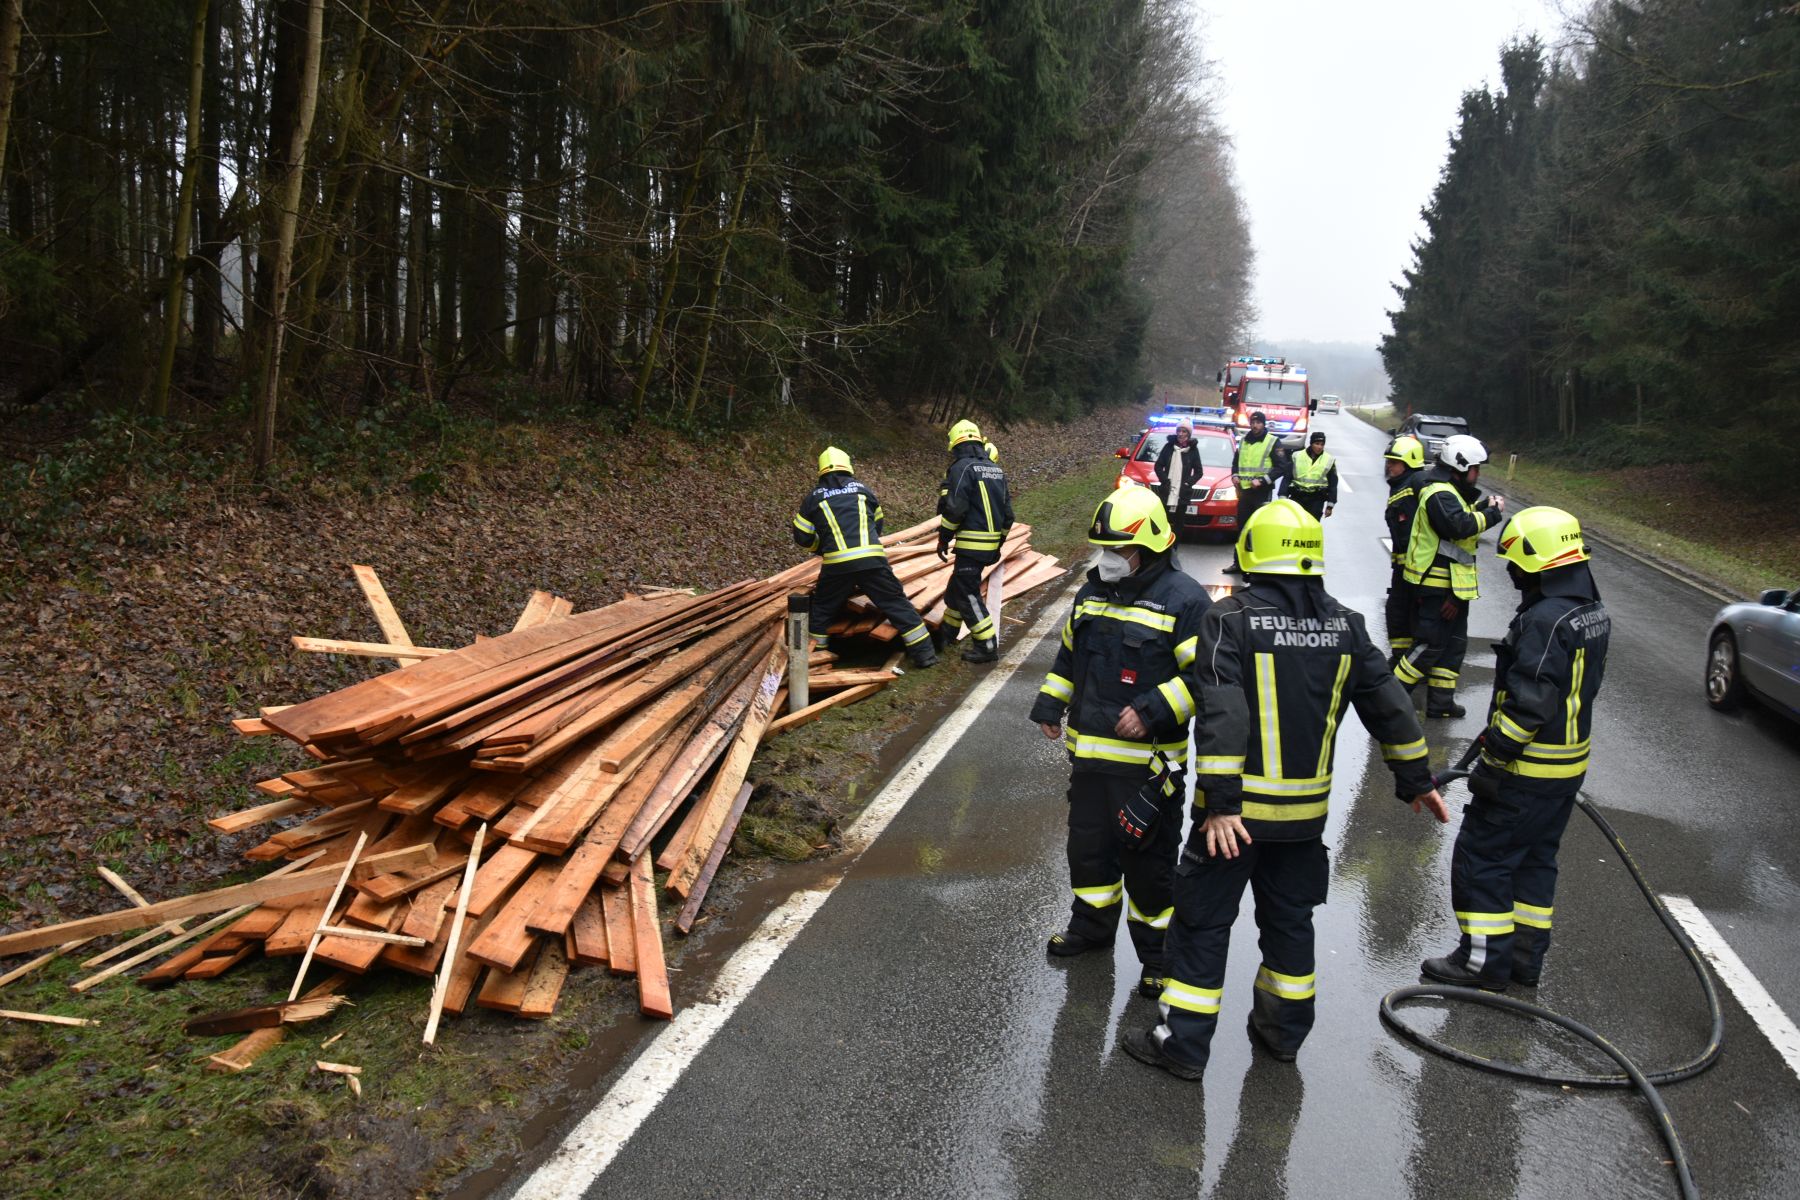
[{"x": 799, "y": 646}]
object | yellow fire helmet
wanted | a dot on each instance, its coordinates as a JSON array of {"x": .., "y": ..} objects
[
  {"x": 1281, "y": 538},
  {"x": 1407, "y": 449},
  {"x": 964, "y": 431},
  {"x": 1541, "y": 538},
  {"x": 834, "y": 460},
  {"x": 993, "y": 453},
  {"x": 1132, "y": 516}
]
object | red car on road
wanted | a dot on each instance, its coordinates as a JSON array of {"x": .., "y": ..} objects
[{"x": 1212, "y": 502}]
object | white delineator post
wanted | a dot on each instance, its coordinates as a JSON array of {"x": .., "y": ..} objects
[{"x": 799, "y": 647}]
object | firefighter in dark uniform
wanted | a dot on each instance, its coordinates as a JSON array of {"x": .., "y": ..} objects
[
  {"x": 1278, "y": 663},
  {"x": 1405, "y": 458},
  {"x": 1311, "y": 478},
  {"x": 974, "y": 513},
  {"x": 1178, "y": 469},
  {"x": 1534, "y": 757},
  {"x": 1119, "y": 677},
  {"x": 1440, "y": 565},
  {"x": 840, "y": 520},
  {"x": 1254, "y": 468}
]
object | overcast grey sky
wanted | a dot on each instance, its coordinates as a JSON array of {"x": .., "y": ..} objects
[{"x": 1340, "y": 110}]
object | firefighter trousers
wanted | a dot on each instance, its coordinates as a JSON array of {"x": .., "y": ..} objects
[
  {"x": 1109, "y": 876},
  {"x": 1503, "y": 882},
  {"x": 1288, "y": 880},
  {"x": 1400, "y": 599},
  {"x": 963, "y": 602},
  {"x": 1439, "y": 644},
  {"x": 1312, "y": 501},
  {"x": 833, "y": 591}
]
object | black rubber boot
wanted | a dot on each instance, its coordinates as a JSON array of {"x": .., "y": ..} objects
[
  {"x": 1444, "y": 708},
  {"x": 1234, "y": 569},
  {"x": 1150, "y": 987},
  {"x": 1068, "y": 944},
  {"x": 1143, "y": 1046},
  {"x": 1286, "y": 1056},
  {"x": 1446, "y": 970},
  {"x": 986, "y": 650},
  {"x": 940, "y": 637},
  {"x": 923, "y": 656}
]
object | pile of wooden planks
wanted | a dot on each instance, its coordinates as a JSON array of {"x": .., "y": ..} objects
[{"x": 494, "y": 815}]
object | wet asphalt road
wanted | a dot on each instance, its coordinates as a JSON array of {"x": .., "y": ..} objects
[{"x": 915, "y": 1041}]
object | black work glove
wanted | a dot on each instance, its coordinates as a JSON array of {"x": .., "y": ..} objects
[
  {"x": 1484, "y": 783},
  {"x": 943, "y": 549}
]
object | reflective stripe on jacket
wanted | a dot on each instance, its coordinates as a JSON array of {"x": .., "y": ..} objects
[
  {"x": 840, "y": 520},
  {"x": 1126, "y": 644},
  {"x": 1547, "y": 675},
  {"x": 1254, "y": 459},
  {"x": 973, "y": 503},
  {"x": 1277, "y": 665}
]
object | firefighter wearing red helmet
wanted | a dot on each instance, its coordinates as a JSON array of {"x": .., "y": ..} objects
[
  {"x": 1534, "y": 757},
  {"x": 1119, "y": 677}
]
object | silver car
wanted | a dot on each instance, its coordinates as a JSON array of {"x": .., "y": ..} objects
[{"x": 1755, "y": 649}]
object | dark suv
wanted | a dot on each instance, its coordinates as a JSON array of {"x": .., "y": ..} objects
[{"x": 1432, "y": 430}]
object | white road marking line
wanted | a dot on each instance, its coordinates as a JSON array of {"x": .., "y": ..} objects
[
  {"x": 594, "y": 1142},
  {"x": 1774, "y": 1023},
  {"x": 1344, "y": 483}
]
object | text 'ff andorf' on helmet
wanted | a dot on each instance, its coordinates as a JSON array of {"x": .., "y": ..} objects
[
  {"x": 964, "y": 431},
  {"x": 1281, "y": 538},
  {"x": 1407, "y": 449},
  {"x": 1132, "y": 516},
  {"x": 1460, "y": 452},
  {"x": 834, "y": 460},
  {"x": 1540, "y": 538}
]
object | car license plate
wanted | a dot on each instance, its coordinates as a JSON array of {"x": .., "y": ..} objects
[{"x": 1193, "y": 510}]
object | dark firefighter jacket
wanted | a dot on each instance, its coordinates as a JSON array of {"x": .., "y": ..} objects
[
  {"x": 1402, "y": 506},
  {"x": 1441, "y": 549},
  {"x": 1547, "y": 674},
  {"x": 1277, "y": 665},
  {"x": 974, "y": 508},
  {"x": 1126, "y": 643},
  {"x": 840, "y": 520}
]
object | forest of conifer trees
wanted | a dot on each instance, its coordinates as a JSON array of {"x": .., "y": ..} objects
[
  {"x": 1612, "y": 255},
  {"x": 262, "y": 214}
]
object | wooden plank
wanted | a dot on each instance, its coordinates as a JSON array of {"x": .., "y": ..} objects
[
  {"x": 545, "y": 984},
  {"x": 537, "y": 611},
  {"x": 466, "y": 974},
  {"x": 507, "y": 941},
  {"x": 44, "y": 1018},
  {"x": 819, "y": 708},
  {"x": 427, "y": 792},
  {"x": 431, "y": 906},
  {"x": 390, "y": 888},
  {"x": 729, "y": 777},
  {"x": 652, "y": 974},
  {"x": 615, "y": 908},
  {"x": 392, "y": 627},
  {"x": 504, "y": 991},
  {"x": 503, "y": 869},
  {"x": 841, "y": 679},
  {"x": 401, "y": 653},
  {"x": 684, "y": 920},
  {"x": 355, "y": 933},
  {"x": 249, "y": 817},
  {"x": 295, "y": 932},
  {"x": 244, "y": 1053},
  {"x": 587, "y": 933},
  {"x": 330, "y": 907},
  {"x": 211, "y": 966},
  {"x": 561, "y": 607},
  {"x": 580, "y": 871},
  {"x": 452, "y": 954},
  {"x": 252, "y": 727}
]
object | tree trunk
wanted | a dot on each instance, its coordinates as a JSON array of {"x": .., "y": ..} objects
[
  {"x": 184, "y": 216},
  {"x": 209, "y": 293},
  {"x": 12, "y": 32},
  {"x": 289, "y": 220},
  {"x": 711, "y": 306},
  {"x": 671, "y": 270}
]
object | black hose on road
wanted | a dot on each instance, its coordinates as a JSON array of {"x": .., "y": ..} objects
[{"x": 1633, "y": 1076}]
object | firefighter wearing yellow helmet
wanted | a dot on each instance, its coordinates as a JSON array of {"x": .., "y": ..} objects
[
  {"x": 1534, "y": 757},
  {"x": 1404, "y": 459},
  {"x": 840, "y": 520},
  {"x": 1118, "y": 677},
  {"x": 1276, "y": 665},
  {"x": 974, "y": 515}
]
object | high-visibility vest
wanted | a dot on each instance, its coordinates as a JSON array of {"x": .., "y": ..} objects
[
  {"x": 1254, "y": 459},
  {"x": 1457, "y": 572},
  {"x": 1310, "y": 474}
]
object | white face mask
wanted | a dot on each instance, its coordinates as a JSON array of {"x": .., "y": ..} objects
[{"x": 1113, "y": 566}]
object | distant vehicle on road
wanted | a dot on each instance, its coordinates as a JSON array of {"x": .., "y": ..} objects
[
  {"x": 1755, "y": 650},
  {"x": 1329, "y": 403},
  {"x": 1431, "y": 429},
  {"x": 1212, "y": 502}
]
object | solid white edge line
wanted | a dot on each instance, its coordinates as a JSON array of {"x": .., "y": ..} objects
[
  {"x": 597, "y": 1139},
  {"x": 1775, "y": 1024}
]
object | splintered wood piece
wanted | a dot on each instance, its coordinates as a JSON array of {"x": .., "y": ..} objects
[
  {"x": 266, "y": 1016},
  {"x": 45, "y": 1018},
  {"x": 330, "y": 907},
  {"x": 587, "y": 933},
  {"x": 336, "y": 1068},
  {"x": 545, "y": 984},
  {"x": 615, "y": 905},
  {"x": 242, "y": 1054},
  {"x": 405, "y": 654},
  {"x": 684, "y": 920},
  {"x": 441, "y": 990},
  {"x": 652, "y": 974},
  {"x": 537, "y": 611}
]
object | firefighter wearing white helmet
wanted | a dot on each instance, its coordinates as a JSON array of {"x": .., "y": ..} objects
[
  {"x": 1118, "y": 676},
  {"x": 1534, "y": 756},
  {"x": 1278, "y": 663},
  {"x": 1440, "y": 566}
]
